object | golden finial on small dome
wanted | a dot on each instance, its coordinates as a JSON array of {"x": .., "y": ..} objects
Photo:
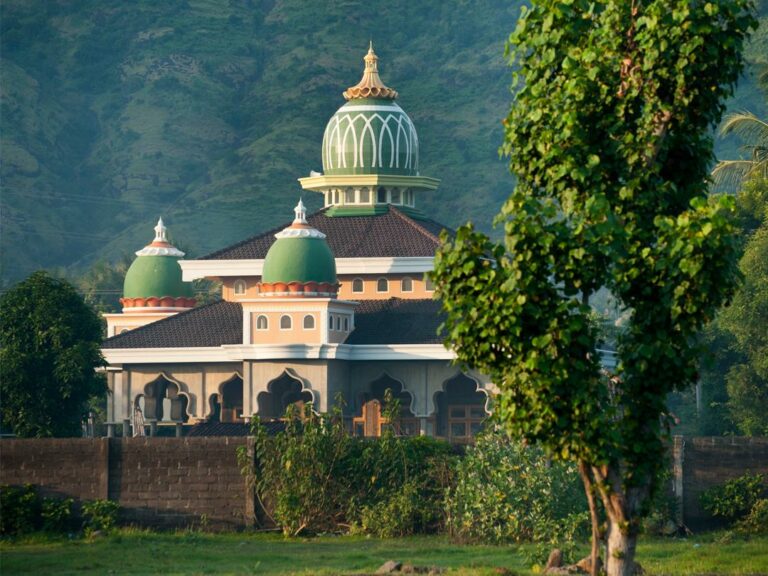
[{"x": 371, "y": 85}]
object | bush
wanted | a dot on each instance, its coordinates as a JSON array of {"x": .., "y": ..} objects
[
  {"x": 56, "y": 514},
  {"x": 736, "y": 498},
  {"x": 314, "y": 477},
  {"x": 19, "y": 510},
  {"x": 507, "y": 492},
  {"x": 99, "y": 515},
  {"x": 756, "y": 522}
]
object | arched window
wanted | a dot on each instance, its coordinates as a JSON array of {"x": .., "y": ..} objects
[
  {"x": 262, "y": 323},
  {"x": 396, "y": 198},
  {"x": 349, "y": 196},
  {"x": 240, "y": 287},
  {"x": 309, "y": 322},
  {"x": 406, "y": 284},
  {"x": 381, "y": 196},
  {"x": 124, "y": 330},
  {"x": 365, "y": 196},
  {"x": 382, "y": 285},
  {"x": 357, "y": 285},
  {"x": 285, "y": 322},
  {"x": 346, "y": 323}
]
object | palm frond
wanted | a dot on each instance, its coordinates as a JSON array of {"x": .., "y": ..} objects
[{"x": 751, "y": 129}]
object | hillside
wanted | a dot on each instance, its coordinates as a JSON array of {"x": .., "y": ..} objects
[{"x": 206, "y": 112}]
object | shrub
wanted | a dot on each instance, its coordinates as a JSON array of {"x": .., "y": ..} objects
[
  {"x": 19, "y": 510},
  {"x": 507, "y": 492},
  {"x": 735, "y": 498},
  {"x": 56, "y": 514},
  {"x": 99, "y": 515},
  {"x": 756, "y": 522}
]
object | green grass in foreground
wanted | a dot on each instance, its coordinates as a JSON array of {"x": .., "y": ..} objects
[{"x": 138, "y": 552}]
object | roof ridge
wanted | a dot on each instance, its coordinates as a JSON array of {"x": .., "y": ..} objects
[
  {"x": 414, "y": 224},
  {"x": 272, "y": 231},
  {"x": 174, "y": 317}
]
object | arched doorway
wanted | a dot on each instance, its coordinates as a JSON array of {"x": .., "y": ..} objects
[
  {"x": 227, "y": 404},
  {"x": 164, "y": 401},
  {"x": 282, "y": 392},
  {"x": 371, "y": 421},
  {"x": 460, "y": 409}
]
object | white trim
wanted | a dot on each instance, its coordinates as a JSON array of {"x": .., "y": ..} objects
[
  {"x": 304, "y": 322},
  {"x": 239, "y": 353},
  {"x": 196, "y": 269},
  {"x": 257, "y": 323},
  {"x": 290, "y": 321}
]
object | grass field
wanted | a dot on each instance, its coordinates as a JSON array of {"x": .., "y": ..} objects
[{"x": 144, "y": 553}]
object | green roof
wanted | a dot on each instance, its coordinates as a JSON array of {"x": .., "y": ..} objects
[
  {"x": 155, "y": 276},
  {"x": 299, "y": 260}
]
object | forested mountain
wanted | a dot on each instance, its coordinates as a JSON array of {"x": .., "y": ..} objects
[{"x": 205, "y": 112}]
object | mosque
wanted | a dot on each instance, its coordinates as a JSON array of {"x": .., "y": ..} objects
[{"x": 333, "y": 307}]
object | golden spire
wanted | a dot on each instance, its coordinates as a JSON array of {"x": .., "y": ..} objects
[{"x": 371, "y": 85}]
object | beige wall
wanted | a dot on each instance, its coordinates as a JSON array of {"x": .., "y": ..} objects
[
  {"x": 297, "y": 334},
  {"x": 197, "y": 381},
  {"x": 369, "y": 292}
]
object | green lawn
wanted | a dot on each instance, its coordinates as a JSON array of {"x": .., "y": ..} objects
[{"x": 145, "y": 553}]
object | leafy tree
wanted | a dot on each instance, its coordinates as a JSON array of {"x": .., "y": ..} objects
[
  {"x": 745, "y": 320},
  {"x": 609, "y": 140},
  {"x": 49, "y": 348}
]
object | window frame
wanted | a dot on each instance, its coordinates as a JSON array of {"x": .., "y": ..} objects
[
  {"x": 304, "y": 322},
  {"x": 266, "y": 322},
  {"x": 362, "y": 286},
  {"x": 402, "y": 284},
  {"x": 378, "y": 284},
  {"x": 290, "y": 322},
  {"x": 240, "y": 283}
]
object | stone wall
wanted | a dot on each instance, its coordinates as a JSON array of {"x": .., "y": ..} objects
[
  {"x": 709, "y": 461},
  {"x": 159, "y": 482}
]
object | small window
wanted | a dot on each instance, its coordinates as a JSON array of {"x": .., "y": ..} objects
[
  {"x": 124, "y": 330},
  {"x": 406, "y": 285},
  {"x": 285, "y": 322},
  {"x": 262, "y": 323},
  {"x": 382, "y": 285},
  {"x": 428, "y": 282},
  {"x": 338, "y": 323},
  {"x": 309, "y": 322},
  {"x": 335, "y": 198},
  {"x": 365, "y": 196},
  {"x": 357, "y": 285},
  {"x": 381, "y": 196},
  {"x": 328, "y": 199},
  {"x": 346, "y": 324},
  {"x": 396, "y": 197},
  {"x": 240, "y": 287},
  {"x": 349, "y": 196}
]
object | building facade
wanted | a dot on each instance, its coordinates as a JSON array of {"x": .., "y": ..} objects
[{"x": 332, "y": 306}]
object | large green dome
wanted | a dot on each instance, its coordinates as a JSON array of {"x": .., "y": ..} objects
[
  {"x": 370, "y": 134},
  {"x": 300, "y": 254}
]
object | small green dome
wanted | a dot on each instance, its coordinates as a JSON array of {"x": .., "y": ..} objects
[
  {"x": 300, "y": 254},
  {"x": 156, "y": 272},
  {"x": 155, "y": 276}
]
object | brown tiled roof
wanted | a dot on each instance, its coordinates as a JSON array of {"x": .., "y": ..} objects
[
  {"x": 392, "y": 321},
  {"x": 384, "y": 235},
  {"x": 215, "y": 324},
  {"x": 397, "y": 321}
]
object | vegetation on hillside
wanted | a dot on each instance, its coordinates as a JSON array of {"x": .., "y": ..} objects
[{"x": 206, "y": 112}]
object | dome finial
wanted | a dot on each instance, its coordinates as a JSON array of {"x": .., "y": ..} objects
[
  {"x": 370, "y": 86},
  {"x": 160, "y": 231},
  {"x": 301, "y": 213}
]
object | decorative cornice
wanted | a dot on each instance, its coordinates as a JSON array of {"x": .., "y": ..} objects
[
  {"x": 295, "y": 232},
  {"x": 324, "y": 182},
  {"x": 165, "y": 302},
  {"x": 298, "y": 289},
  {"x": 370, "y": 86}
]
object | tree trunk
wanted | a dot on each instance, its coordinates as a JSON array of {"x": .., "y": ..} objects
[
  {"x": 620, "y": 560},
  {"x": 586, "y": 478}
]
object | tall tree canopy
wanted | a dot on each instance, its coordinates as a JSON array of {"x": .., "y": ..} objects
[
  {"x": 609, "y": 138},
  {"x": 49, "y": 349}
]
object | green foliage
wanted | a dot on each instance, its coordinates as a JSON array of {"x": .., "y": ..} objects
[
  {"x": 56, "y": 514},
  {"x": 736, "y": 498},
  {"x": 314, "y": 478},
  {"x": 756, "y": 522},
  {"x": 49, "y": 349},
  {"x": 507, "y": 492},
  {"x": 20, "y": 509},
  {"x": 99, "y": 515}
]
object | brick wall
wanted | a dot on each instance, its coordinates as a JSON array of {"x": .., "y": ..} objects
[
  {"x": 160, "y": 482},
  {"x": 709, "y": 461}
]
